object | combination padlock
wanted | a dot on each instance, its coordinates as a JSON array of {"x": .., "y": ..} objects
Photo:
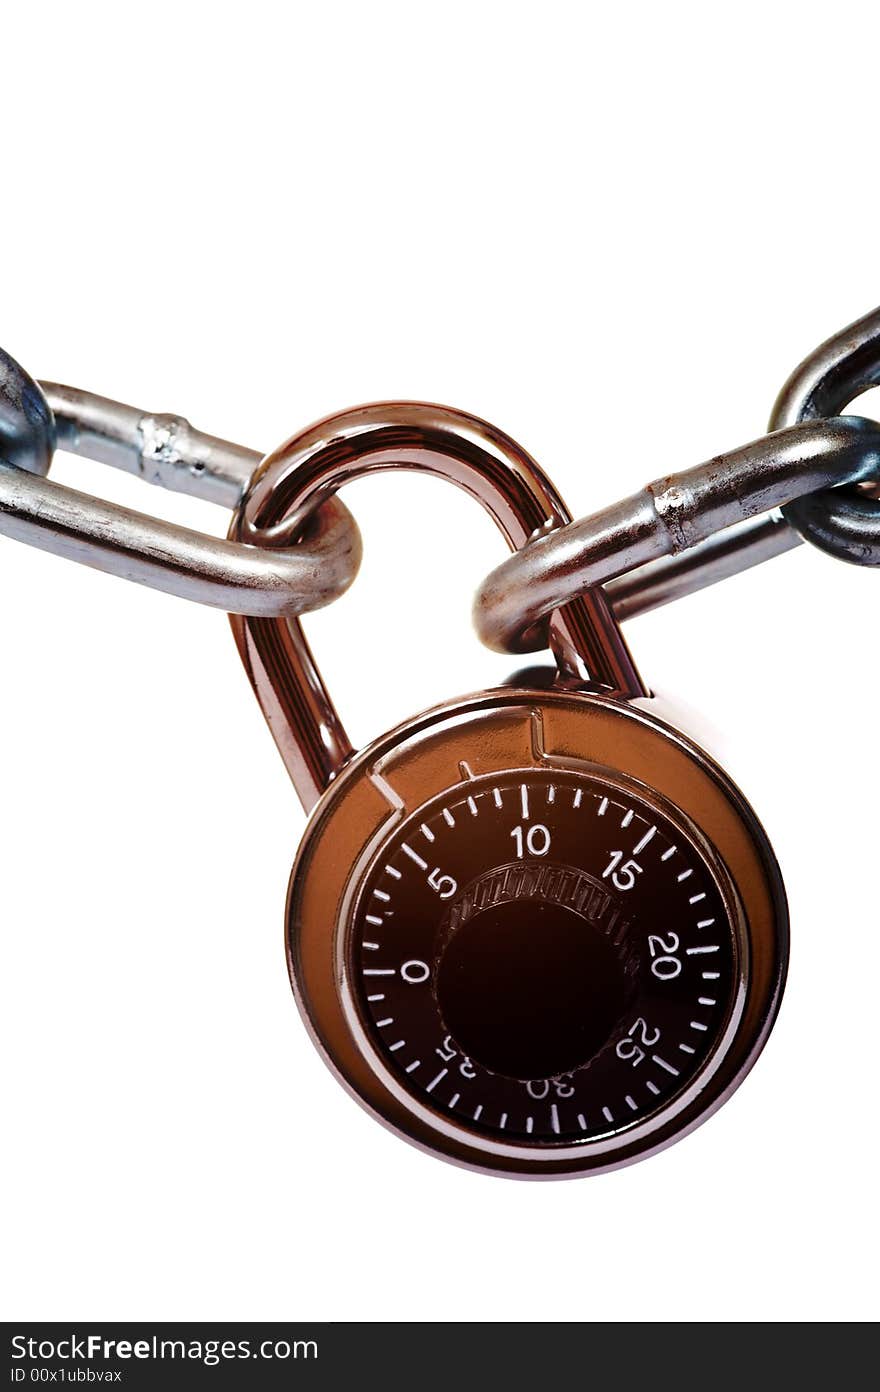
[{"x": 536, "y": 931}]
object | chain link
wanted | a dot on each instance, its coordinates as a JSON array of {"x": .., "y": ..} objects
[
  {"x": 805, "y": 479},
  {"x": 27, "y": 430},
  {"x": 666, "y": 518},
  {"x": 843, "y": 521},
  {"x": 225, "y": 574}
]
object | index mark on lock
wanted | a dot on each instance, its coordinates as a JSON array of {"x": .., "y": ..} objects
[
  {"x": 536, "y": 721},
  {"x": 391, "y": 796}
]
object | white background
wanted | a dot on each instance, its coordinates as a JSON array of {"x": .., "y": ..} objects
[{"x": 613, "y": 231}]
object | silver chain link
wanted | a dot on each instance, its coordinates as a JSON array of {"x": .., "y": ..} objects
[
  {"x": 805, "y": 480},
  {"x": 166, "y": 450}
]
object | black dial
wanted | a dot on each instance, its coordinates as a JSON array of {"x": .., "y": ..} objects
[{"x": 542, "y": 956}]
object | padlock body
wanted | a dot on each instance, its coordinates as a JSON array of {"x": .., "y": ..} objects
[{"x": 539, "y": 933}]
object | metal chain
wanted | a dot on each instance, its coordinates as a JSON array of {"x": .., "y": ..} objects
[
  {"x": 807, "y": 479},
  {"x": 688, "y": 530},
  {"x": 229, "y": 575}
]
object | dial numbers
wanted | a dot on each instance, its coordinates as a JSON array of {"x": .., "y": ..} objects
[{"x": 542, "y": 955}]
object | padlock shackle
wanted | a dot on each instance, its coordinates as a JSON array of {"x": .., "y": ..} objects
[{"x": 309, "y": 468}]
